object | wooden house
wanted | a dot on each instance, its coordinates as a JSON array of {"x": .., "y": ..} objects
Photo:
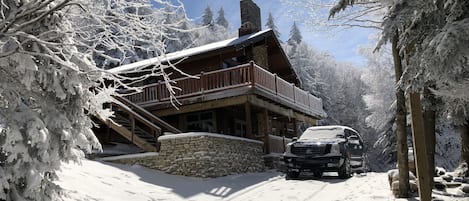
[{"x": 246, "y": 87}]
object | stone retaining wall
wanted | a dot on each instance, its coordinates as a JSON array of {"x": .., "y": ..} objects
[{"x": 203, "y": 155}]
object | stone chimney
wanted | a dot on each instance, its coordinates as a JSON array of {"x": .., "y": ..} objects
[{"x": 250, "y": 18}]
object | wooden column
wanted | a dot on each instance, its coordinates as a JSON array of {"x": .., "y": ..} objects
[
  {"x": 420, "y": 148},
  {"x": 295, "y": 128},
  {"x": 266, "y": 126},
  {"x": 247, "y": 111}
]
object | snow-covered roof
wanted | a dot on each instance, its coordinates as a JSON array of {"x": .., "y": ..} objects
[{"x": 187, "y": 52}]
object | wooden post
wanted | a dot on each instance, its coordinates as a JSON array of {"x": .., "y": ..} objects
[
  {"x": 247, "y": 111},
  {"x": 294, "y": 98},
  {"x": 265, "y": 116},
  {"x": 251, "y": 73},
  {"x": 202, "y": 82},
  {"x": 420, "y": 148},
  {"x": 158, "y": 91},
  {"x": 275, "y": 83}
]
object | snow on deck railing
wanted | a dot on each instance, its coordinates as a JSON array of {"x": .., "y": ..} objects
[{"x": 239, "y": 76}]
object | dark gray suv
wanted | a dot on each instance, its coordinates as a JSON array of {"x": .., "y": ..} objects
[{"x": 325, "y": 149}]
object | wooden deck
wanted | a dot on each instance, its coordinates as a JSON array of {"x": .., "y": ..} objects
[{"x": 231, "y": 82}]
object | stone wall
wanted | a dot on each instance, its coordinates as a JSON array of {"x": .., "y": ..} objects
[{"x": 203, "y": 155}]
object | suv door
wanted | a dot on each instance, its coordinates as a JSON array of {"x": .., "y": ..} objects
[{"x": 356, "y": 148}]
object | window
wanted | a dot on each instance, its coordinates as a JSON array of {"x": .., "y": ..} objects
[{"x": 201, "y": 122}]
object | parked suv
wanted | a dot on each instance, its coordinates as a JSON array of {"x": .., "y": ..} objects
[{"x": 325, "y": 149}]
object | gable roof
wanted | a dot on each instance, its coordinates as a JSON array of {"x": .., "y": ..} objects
[{"x": 236, "y": 42}]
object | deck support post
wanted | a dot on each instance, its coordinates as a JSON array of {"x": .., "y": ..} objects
[
  {"x": 265, "y": 117},
  {"x": 247, "y": 111}
]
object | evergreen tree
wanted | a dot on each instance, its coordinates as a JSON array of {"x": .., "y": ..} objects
[
  {"x": 295, "y": 35},
  {"x": 271, "y": 25},
  {"x": 207, "y": 17},
  {"x": 221, "y": 20}
]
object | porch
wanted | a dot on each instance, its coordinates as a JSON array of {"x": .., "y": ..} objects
[{"x": 230, "y": 82}]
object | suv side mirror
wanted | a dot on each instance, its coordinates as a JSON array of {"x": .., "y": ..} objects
[{"x": 294, "y": 139}]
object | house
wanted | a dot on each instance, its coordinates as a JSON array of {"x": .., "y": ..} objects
[{"x": 245, "y": 87}]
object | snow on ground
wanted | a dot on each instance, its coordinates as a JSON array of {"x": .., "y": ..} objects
[{"x": 110, "y": 182}]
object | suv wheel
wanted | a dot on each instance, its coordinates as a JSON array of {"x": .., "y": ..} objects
[
  {"x": 345, "y": 169},
  {"x": 293, "y": 174}
]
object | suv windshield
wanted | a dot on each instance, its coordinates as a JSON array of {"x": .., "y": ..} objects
[{"x": 312, "y": 134}]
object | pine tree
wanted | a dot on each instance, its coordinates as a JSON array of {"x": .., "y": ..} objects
[
  {"x": 295, "y": 35},
  {"x": 221, "y": 20},
  {"x": 271, "y": 25},
  {"x": 207, "y": 17}
]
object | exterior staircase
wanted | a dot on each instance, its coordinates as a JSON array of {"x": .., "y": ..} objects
[{"x": 137, "y": 124}]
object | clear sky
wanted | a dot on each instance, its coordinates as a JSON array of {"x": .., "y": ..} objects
[{"x": 341, "y": 45}]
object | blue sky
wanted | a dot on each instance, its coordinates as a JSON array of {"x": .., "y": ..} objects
[{"x": 341, "y": 45}]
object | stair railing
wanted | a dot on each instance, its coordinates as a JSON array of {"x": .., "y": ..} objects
[
  {"x": 133, "y": 117},
  {"x": 139, "y": 110}
]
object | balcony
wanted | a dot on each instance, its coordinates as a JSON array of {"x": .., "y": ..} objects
[{"x": 234, "y": 81}]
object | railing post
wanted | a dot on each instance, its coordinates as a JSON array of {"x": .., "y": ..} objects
[
  {"x": 275, "y": 83},
  {"x": 202, "y": 82},
  {"x": 294, "y": 98},
  {"x": 251, "y": 72},
  {"x": 158, "y": 91}
]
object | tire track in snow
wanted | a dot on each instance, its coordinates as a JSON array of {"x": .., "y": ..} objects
[{"x": 280, "y": 189}]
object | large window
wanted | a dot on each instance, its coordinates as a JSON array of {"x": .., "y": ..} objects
[{"x": 201, "y": 122}]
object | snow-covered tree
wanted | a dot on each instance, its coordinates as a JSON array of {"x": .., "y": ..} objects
[
  {"x": 209, "y": 31},
  {"x": 50, "y": 85},
  {"x": 207, "y": 17},
  {"x": 295, "y": 35},
  {"x": 380, "y": 100},
  {"x": 153, "y": 24},
  {"x": 180, "y": 36},
  {"x": 324, "y": 16},
  {"x": 431, "y": 37},
  {"x": 270, "y": 24},
  {"x": 221, "y": 20}
]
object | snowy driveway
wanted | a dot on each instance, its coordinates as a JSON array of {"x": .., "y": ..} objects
[{"x": 107, "y": 181}]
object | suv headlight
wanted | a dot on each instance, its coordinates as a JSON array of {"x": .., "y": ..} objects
[{"x": 335, "y": 149}]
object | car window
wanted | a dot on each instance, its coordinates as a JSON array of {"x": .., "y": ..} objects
[{"x": 311, "y": 134}]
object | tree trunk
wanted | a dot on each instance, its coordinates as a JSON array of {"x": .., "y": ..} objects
[
  {"x": 429, "y": 118},
  {"x": 420, "y": 148},
  {"x": 402, "y": 149},
  {"x": 465, "y": 142}
]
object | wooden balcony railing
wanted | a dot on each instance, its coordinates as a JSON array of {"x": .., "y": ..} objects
[{"x": 240, "y": 76}]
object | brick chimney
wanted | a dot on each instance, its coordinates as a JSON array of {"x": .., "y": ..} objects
[{"x": 250, "y": 18}]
